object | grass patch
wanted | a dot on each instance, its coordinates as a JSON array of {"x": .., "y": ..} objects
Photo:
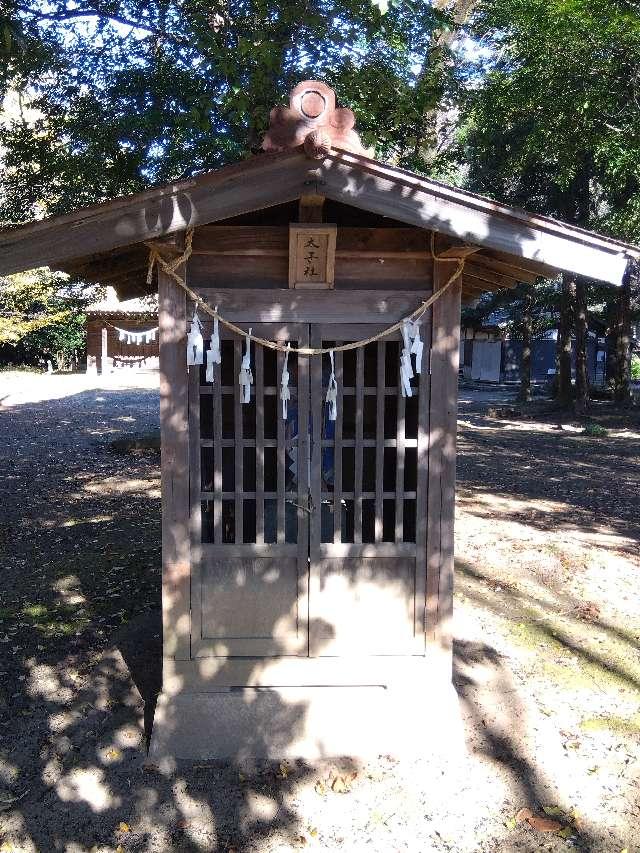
[
  {"x": 56, "y": 620},
  {"x": 594, "y": 430},
  {"x": 617, "y": 725}
]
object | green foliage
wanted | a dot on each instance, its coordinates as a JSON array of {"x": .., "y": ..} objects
[
  {"x": 42, "y": 315},
  {"x": 132, "y": 93},
  {"x": 508, "y": 308},
  {"x": 552, "y": 122},
  {"x": 594, "y": 430},
  {"x": 635, "y": 367}
]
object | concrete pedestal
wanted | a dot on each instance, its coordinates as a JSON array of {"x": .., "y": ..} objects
[{"x": 311, "y": 723}]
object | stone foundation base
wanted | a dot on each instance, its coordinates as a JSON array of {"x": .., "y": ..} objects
[{"x": 311, "y": 723}]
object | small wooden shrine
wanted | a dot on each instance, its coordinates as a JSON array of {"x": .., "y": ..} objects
[
  {"x": 122, "y": 335},
  {"x": 308, "y": 470}
]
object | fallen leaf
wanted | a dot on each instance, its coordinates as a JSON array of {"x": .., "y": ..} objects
[
  {"x": 588, "y": 611},
  {"x": 537, "y": 822},
  {"x": 567, "y": 832},
  {"x": 113, "y": 753},
  {"x": 313, "y": 831},
  {"x": 340, "y": 785},
  {"x": 543, "y": 824},
  {"x": 511, "y": 823},
  {"x": 552, "y": 811},
  {"x": 320, "y": 788},
  {"x": 123, "y": 827},
  {"x": 284, "y": 771},
  {"x": 119, "y": 849},
  {"x": 522, "y": 815},
  {"x": 7, "y": 847}
]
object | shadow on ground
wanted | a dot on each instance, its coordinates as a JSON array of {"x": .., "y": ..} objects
[{"x": 80, "y": 650}]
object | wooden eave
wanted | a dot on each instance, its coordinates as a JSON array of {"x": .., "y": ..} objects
[{"x": 105, "y": 242}]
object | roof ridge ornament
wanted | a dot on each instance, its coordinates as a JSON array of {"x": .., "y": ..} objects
[{"x": 313, "y": 121}]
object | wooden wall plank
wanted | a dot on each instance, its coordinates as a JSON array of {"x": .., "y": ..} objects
[
  {"x": 357, "y": 502},
  {"x": 174, "y": 429},
  {"x": 337, "y": 451},
  {"x": 281, "y": 460},
  {"x": 422, "y": 483},
  {"x": 442, "y": 464},
  {"x": 400, "y": 448},
  {"x": 265, "y": 240},
  {"x": 238, "y": 434},
  {"x": 259, "y": 352},
  {"x": 381, "y": 348},
  {"x": 217, "y": 453},
  {"x": 195, "y": 488},
  {"x": 291, "y": 306},
  {"x": 302, "y": 461},
  {"x": 272, "y": 271}
]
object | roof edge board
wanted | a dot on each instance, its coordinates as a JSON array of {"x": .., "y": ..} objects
[
  {"x": 265, "y": 182},
  {"x": 272, "y": 179},
  {"x": 153, "y": 193},
  {"x": 447, "y": 191},
  {"x": 416, "y": 205}
]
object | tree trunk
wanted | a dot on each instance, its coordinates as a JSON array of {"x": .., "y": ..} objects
[
  {"x": 622, "y": 337},
  {"x": 527, "y": 334},
  {"x": 581, "y": 323},
  {"x": 565, "y": 323},
  {"x": 433, "y": 75}
]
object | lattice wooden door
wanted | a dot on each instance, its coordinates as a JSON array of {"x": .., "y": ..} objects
[
  {"x": 367, "y": 592},
  {"x": 309, "y": 536},
  {"x": 249, "y": 478}
]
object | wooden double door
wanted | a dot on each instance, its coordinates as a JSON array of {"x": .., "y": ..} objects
[{"x": 308, "y": 536}]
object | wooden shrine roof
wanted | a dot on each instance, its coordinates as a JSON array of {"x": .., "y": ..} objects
[{"x": 105, "y": 242}]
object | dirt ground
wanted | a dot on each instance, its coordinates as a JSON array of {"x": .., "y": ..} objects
[{"x": 547, "y": 657}]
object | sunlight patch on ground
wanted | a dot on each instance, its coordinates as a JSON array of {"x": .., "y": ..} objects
[
  {"x": 124, "y": 485},
  {"x": 550, "y": 595},
  {"x": 19, "y": 387},
  {"x": 44, "y": 682},
  {"x": 518, "y": 515},
  {"x": 502, "y": 425},
  {"x": 96, "y": 519},
  {"x": 68, "y": 589},
  {"x": 88, "y": 785}
]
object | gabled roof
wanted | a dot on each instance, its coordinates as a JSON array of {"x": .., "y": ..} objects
[{"x": 535, "y": 243}]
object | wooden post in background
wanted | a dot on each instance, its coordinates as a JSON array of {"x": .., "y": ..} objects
[
  {"x": 445, "y": 356},
  {"x": 104, "y": 363},
  {"x": 174, "y": 429}
]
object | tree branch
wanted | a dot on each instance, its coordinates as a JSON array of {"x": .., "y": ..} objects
[{"x": 72, "y": 14}]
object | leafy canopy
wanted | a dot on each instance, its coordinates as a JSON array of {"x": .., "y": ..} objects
[
  {"x": 122, "y": 94},
  {"x": 552, "y": 120},
  {"x": 42, "y": 314}
]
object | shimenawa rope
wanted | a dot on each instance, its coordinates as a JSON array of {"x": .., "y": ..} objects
[{"x": 170, "y": 267}]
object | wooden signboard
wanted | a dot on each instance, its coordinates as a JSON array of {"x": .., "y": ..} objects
[{"x": 312, "y": 254}]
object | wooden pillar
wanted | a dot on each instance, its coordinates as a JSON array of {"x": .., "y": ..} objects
[
  {"x": 174, "y": 429},
  {"x": 445, "y": 356},
  {"x": 104, "y": 363}
]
